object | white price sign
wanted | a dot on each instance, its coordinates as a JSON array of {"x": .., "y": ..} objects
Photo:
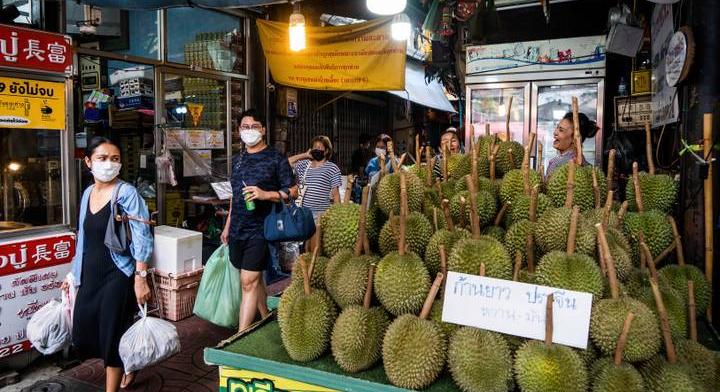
[{"x": 516, "y": 308}]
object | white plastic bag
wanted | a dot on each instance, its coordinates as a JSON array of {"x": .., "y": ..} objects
[
  {"x": 49, "y": 328},
  {"x": 69, "y": 296},
  {"x": 149, "y": 341}
]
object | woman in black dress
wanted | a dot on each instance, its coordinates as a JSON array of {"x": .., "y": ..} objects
[{"x": 111, "y": 285}]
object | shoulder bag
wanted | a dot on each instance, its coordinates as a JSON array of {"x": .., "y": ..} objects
[{"x": 118, "y": 235}]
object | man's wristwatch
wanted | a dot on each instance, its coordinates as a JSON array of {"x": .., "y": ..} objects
[{"x": 141, "y": 273}]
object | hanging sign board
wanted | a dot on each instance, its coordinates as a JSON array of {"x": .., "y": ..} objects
[
  {"x": 36, "y": 104},
  {"x": 361, "y": 57},
  {"x": 31, "y": 272},
  {"x": 664, "y": 97},
  {"x": 35, "y": 50},
  {"x": 516, "y": 308}
]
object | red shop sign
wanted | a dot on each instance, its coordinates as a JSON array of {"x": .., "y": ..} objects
[
  {"x": 35, "y": 254},
  {"x": 35, "y": 50}
]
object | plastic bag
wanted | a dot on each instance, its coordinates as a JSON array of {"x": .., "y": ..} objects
[
  {"x": 288, "y": 252},
  {"x": 49, "y": 328},
  {"x": 69, "y": 297},
  {"x": 149, "y": 341},
  {"x": 218, "y": 297}
]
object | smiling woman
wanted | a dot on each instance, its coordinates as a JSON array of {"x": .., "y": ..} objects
[{"x": 563, "y": 140}]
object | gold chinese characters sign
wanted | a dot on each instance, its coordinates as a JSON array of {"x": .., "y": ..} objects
[
  {"x": 32, "y": 104},
  {"x": 360, "y": 57}
]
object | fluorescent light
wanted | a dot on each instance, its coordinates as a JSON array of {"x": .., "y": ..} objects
[{"x": 401, "y": 28}]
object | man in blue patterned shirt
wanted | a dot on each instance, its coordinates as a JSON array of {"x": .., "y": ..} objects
[{"x": 261, "y": 175}]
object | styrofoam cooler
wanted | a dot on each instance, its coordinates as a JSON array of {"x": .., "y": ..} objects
[{"x": 176, "y": 250}]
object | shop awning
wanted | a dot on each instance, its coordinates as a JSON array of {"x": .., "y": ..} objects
[
  {"x": 155, "y": 4},
  {"x": 430, "y": 94}
]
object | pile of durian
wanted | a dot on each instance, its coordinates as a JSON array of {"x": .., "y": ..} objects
[{"x": 368, "y": 293}]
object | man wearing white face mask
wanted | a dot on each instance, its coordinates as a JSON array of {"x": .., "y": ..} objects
[
  {"x": 111, "y": 283},
  {"x": 260, "y": 177}
]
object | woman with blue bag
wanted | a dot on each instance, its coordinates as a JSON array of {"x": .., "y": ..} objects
[{"x": 261, "y": 177}]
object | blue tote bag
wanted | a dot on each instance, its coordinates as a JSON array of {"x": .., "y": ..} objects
[{"x": 288, "y": 222}]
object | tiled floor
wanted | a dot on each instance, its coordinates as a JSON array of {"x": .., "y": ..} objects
[{"x": 184, "y": 372}]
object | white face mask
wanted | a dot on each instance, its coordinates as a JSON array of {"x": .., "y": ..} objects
[
  {"x": 250, "y": 137},
  {"x": 105, "y": 171},
  {"x": 379, "y": 151}
]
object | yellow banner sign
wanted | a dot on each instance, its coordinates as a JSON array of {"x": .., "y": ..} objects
[
  {"x": 361, "y": 57},
  {"x": 237, "y": 380},
  {"x": 32, "y": 104}
]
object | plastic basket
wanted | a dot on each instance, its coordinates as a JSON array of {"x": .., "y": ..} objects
[{"x": 175, "y": 295}]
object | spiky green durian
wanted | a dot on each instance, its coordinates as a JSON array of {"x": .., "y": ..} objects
[
  {"x": 356, "y": 340},
  {"x": 413, "y": 352},
  {"x": 496, "y": 232},
  {"x": 678, "y": 276},
  {"x": 552, "y": 228},
  {"x": 307, "y": 325},
  {"x": 577, "y": 272},
  {"x": 441, "y": 237},
  {"x": 346, "y": 277},
  {"x": 436, "y": 315},
  {"x": 655, "y": 228},
  {"x": 417, "y": 234},
  {"x": 483, "y": 184},
  {"x": 480, "y": 361},
  {"x": 317, "y": 279},
  {"x": 549, "y": 369},
  {"x": 468, "y": 254},
  {"x": 610, "y": 378},
  {"x": 520, "y": 207},
  {"x": 675, "y": 306},
  {"x": 435, "y": 215},
  {"x": 659, "y": 192},
  {"x": 606, "y": 323},
  {"x": 401, "y": 283},
  {"x": 509, "y": 157},
  {"x": 516, "y": 240},
  {"x": 374, "y": 223},
  {"x": 596, "y": 215},
  {"x": 486, "y": 207},
  {"x": 340, "y": 227},
  {"x": 388, "y": 193},
  {"x": 513, "y": 185},
  {"x": 286, "y": 299},
  {"x": 661, "y": 376},
  {"x": 700, "y": 359},
  {"x": 583, "y": 194}
]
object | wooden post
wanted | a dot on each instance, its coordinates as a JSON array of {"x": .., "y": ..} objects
[
  {"x": 549, "y": 320},
  {"x": 708, "y": 207},
  {"x": 427, "y": 306},
  {"x": 576, "y": 132},
  {"x": 692, "y": 311},
  {"x": 649, "y": 150}
]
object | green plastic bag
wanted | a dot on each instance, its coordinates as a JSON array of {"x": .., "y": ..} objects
[{"x": 218, "y": 298}]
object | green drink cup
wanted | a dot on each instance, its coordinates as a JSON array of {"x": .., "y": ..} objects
[{"x": 249, "y": 204}]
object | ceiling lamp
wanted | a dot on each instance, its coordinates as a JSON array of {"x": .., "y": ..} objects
[
  {"x": 386, "y": 7},
  {"x": 297, "y": 29},
  {"x": 401, "y": 28}
]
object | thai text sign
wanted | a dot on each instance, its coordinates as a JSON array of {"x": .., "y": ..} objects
[
  {"x": 37, "y": 104},
  {"x": 35, "y": 50},
  {"x": 31, "y": 272},
  {"x": 516, "y": 308},
  {"x": 239, "y": 380},
  {"x": 361, "y": 56}
]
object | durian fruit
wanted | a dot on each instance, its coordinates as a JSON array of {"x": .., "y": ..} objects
[
  {"x": 435, "y": 217},
  {"x": 486, "y": 207},
  {"x": 482, "y": 184},
  {"x": 448, "y": 329},
  {"x": 340, "y": 227},
  {"x": 700, "y": 360},
  {"x": 520, "y": 207},
  {"x": 446, "y": 237},
  {"x": 480, "y": 361},
  {"x": 424, "y": 172},
  {"x": 375, "y": 222},
  {"x": 675, "y": 305},
  {"x": 414, "y": 348},
  {"x": 509, "y": 156},
  {"x": 402, "y": 281},
  {"x": 317, "y": 278},
  {"x": 552, "y": 229},
  {"x": 419, "y": 231},
  {"x": 659, "y": 190},
  {"x": 520, "y": 237},
  {"x": 388, "y": 193},
  {"x": 584, "y": 193},
  {"x": 614, "y": 375},
  {"x": 459, "y": 165},
  {"x": 286, "y": 300},
  {"x": 569, "y": 270},
  {"x": 469, "y": 253},
  {"x": 677, "y": 276},
  {"x": 356, "y": 340},
  {"x": 496, "y": 231},
  {"x": 446, "y": 189},
  {"x": 608, "y": 315},
  {"x": 513, "y": 185},
  {"x": 548, "y": 367},
  {"x": 308, "y": 321}
]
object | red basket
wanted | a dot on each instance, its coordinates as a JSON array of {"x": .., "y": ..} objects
[{"x": 175, "y": 295}]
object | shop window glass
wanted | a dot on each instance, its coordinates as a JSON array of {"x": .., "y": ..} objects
[
  {"x": 31, "y": 183},
  {"x": 196, "y": 110},
  {"x": 206, "y": 39}
]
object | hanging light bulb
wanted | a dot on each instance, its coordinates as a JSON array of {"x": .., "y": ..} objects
[
  {"x": 297, "y": 29},
  {"x": 386, "y": 7},
  {"x": 401, "y": 28}
]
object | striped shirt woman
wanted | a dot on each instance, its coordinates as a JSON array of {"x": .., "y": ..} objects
[{"x": 318, "y": 178}]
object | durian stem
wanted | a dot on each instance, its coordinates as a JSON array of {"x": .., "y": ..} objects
[
  {"x": 363, "y": 221},
  {"x": 664, "y": 253},
  {"x": 526, "y": 173},
  {"x": 366, "y": 244},
  {"x": 549, "y": 320},
  {"x": 643, "y": 261},
  {"x": 430, "y": 164},
  {"x": 622, "y": 340},
  {"x": 473, "y": 160},
  {"x": 438, "y": 185},
  {"x": 572, "y": 234},
  {"x": 391, "y": 154},
  {"x": 539, "y": 165},
  {"x": 493, "y": 156},
  {"x": 601, "y": 258},
  {"x": 692, "y": 310},
  {"x": 348, "y": 188},
  {"x": 418, "y": 150},
  {"x": 636, "y": 185},
  {"x": 608, "y": 208},
  {"x": 448, "y": 217},
  {"x": 649, "y": 150},
  {"x": 474, "y": 218},
  {"x": 318, "y": 233},
  {"x": 596, "y": 189},
  {"x": 577, "y": 140},
  {"x": 463, "y": 208},
  {"x": 435, "y": 219},
  {"x": 511, "y": 158},
  {"x": 530, "y": 250},
  {"x": 611, "y": 169},
  {"x": 664, "y": 321},
  {"x": 533, "y": 203},
  {"x": 443, "y": 263},
  {"x": 609, "y": 262},
  {"x": 383, "y": 168},
  {"x": 517, "y": 266},
  {"x": 403, "y": 216},
  {"x": 311, "y": 268},
  {"x": 678, "y": 243},
  {"x": 445, "y": 158},
  {"x": 427, "y": 306},
  {"x": 482, "y": 269},
  {"x": 570, "y": 185},
  {"x": 508, "y": 137},
  {"x": 648, "y": 257},
  {"x": 501, "y": 213},
  {"x": 487, "y": 129},
  {"x": 622, "y": 212},
  {"x": 306, "y": 276},
  {"x": 367, "y": 300},
  {"x": 400, "y": 162}
]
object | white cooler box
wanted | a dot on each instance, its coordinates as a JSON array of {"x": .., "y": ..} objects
[{"x": 177, "y": 251}]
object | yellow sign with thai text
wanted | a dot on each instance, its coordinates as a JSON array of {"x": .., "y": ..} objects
[
  {"x": 32, "y": 104},
  {"x": 237, "y": 380},
  {"x": 360, "y": 57}
]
